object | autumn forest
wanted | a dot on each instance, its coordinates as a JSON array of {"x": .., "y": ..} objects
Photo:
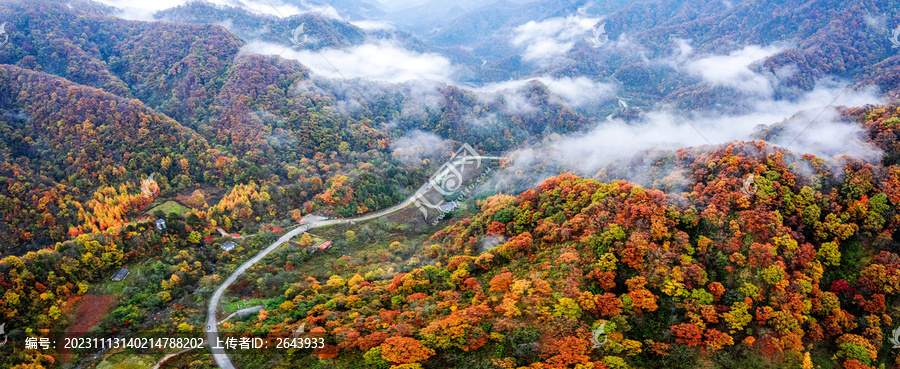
[{"x": 175, "y": 149}]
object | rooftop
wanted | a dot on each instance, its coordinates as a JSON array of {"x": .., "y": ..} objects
[
  {"x": 325, "y": 245},
  {"x": 120, "y": 274}
]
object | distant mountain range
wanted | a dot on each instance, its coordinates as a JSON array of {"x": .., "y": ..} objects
[{"x": 816, "y": 38}]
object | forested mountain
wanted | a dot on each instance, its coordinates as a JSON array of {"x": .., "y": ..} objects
[
  {"x": 71, "y": 139},
  {"x": 747, "y": 253},
  {"x": 228, "y": 117},
  {"x": 321, "y": 31},
  {"x": 799, "y": 271},
  {"x": 817, "y": 38}
]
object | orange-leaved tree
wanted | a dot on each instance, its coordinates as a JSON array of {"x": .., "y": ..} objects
[{"x": 404, "y": 350}]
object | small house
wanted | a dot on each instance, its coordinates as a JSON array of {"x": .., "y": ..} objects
[
  {"x": 227, "y": 246},
  {"x": 160, "y": 225},
  {"x": 450, "y": 206},
  {"x": 324, "y": 246},
  {"x": 120, "y": 275},
  {"x": 295, "y": 245}
]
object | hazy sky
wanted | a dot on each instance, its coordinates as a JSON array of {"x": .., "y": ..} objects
[
  {"x": 400, "y": 4},
  {"x": 143, "y": 10}
]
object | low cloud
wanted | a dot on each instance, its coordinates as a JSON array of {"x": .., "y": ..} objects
[
  {"x": 807, "y": 126},
  {"x": 349, "y": 96},
  {"x": 735, "y": 69},
  {"x": 143, "y": 10},
  {"x": 379, "y": 61},
  {"x": 575, "y": 92},
  {"x": 417, "y": 146},
  {"x": 580, "y": 91},
  {"x": 878, "y": 22},
  {"x": 369, "y": 25},
  {"x": 552, "y": 38}
]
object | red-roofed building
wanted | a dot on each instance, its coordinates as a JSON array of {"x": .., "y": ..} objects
[{"x": 324, "y": 246}]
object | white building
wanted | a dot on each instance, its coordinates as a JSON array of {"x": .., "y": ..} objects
[{"x": 227, "y": 246}]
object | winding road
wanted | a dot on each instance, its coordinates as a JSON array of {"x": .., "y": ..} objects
[{"x": 212, "y": 330}]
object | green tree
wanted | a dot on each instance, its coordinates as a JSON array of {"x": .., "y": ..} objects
[
  {"x": 306, "y": 240},
  {"x": 374, "y": 360},
  {"x": 568, "y": 308},
  {"x": 194, "y": 237},
  {"x": 830, "y": 254},
  {"x": 185, "y": 328}
]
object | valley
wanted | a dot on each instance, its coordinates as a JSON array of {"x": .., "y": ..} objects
[{"x": 419, "y": 184}]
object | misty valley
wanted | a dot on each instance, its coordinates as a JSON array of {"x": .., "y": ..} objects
[{"x": 402, "y": 184}]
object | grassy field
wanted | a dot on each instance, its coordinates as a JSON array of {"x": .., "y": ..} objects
[
  {"x": 168, "y": 207},
  {"x": 125, "y": 360},
  {"x": 232, "y": 306},
  {"x": 316, "y": 239},
  {"x": 108, "y": 286}
]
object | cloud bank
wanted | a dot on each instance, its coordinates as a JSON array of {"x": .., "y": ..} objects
[
  {"x": 809, "y": 126},
  {"x": 381, "y": 60},
  {"x": 573, "y": 91},
  {"x": 417, "y": 146},
  {"x": 552, "y": 38},
  {"x": 734, "y": 70},
  {"x": 143, "y": 10}
]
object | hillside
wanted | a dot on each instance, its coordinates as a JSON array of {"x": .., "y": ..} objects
[
  {"x": 211, "y": 116},
  {"x": 802, "y": 268},
  {"x": 61, "y": 140},
  {"x": 714, "y": 186}
]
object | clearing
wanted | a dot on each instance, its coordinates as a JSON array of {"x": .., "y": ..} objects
[{"x": 90, "y": 310}]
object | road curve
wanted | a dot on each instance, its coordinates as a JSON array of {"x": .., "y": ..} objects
[{"x": 212, "y": 329}]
